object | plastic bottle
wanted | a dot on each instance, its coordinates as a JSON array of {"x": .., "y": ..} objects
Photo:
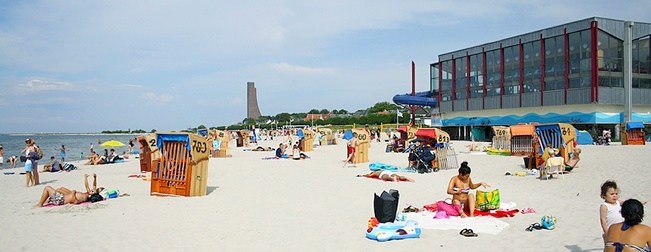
[{"x": 81, "y": 156}]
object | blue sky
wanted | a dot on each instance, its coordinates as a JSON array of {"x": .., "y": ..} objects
[{"x": 87, "y": 66}]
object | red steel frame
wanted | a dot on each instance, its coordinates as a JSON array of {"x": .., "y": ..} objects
[
  {"x": 467, "y": 81},
  {"x": 484, "y": 78},
  {"x": 595, "y": 68},
  {"x": 521, "y": 51},
  {"x": 566, "y": 57},
  {"x": 542, "y": 70},
  {"x": 454, "y": 82}
]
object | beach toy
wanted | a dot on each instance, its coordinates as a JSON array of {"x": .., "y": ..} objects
[
  {"x": 548, "y": 222},
  {"x": 393, "y": 231},
  {"x": 110, "y": 194}
]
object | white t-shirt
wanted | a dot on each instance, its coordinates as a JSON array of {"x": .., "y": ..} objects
[{"x": 613, "y": 216}]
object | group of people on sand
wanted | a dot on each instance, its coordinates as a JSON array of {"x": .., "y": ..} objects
[
  {"x": 296, "y": 152},
  {"x": 107, "y": 158}
]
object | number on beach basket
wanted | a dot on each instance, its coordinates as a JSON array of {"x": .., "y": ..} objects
[
  {"x": 148, "y": 151},
  {"x": 361, "y": 150},
  {"x": 183, "y": 166}
]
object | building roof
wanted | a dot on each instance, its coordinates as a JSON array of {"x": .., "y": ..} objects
[{"x": 612, "y": 26}]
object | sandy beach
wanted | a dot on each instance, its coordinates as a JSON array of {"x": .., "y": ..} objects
[{"x": 314, "y": 204}]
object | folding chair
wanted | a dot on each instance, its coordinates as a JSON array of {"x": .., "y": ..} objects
[{"x": 554, "y": 165}]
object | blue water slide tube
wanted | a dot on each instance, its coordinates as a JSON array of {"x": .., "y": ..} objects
[{"x": 420, "y": 99}]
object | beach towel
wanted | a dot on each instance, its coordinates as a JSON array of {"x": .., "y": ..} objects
[
  {"x": 480, "y": 224},
  {"x": 376, "y": 166}
]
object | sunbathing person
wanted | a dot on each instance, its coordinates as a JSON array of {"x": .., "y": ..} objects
[
  {"x": 260, "y": 148},
  {"x": 574, "y": 160},
  {"x": 386, "y": 176},
  {"x": 53, "y": 166},
  {"x": 95, "y": 159},
  {"x": 459, "y": 187},
  {"x": 630, "y": 235},
  {"x": 64, "y": 195}
]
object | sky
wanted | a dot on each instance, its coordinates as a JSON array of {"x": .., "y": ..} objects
[{"x": 88, "y": 66}]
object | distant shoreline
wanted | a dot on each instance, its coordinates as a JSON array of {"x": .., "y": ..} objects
[{"x": 70, "y": 134}]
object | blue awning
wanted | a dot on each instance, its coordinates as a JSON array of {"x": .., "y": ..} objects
[
  {"x": 160, "y": 138},
  {"x": 634, "y": 125}
]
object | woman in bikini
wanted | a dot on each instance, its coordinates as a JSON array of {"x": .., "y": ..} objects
[
  {"x": 387, "y": 176},
  {"x": 629, "y": 235},
  {"x": 459, "y": 187},
  {"x": 64, "y": 195}
]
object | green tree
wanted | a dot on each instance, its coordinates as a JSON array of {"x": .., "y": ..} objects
[
  {"x": 283, "y": 117},
  {"x": 324, "y": 111},
  {"x": 201, "y": 126},
  {"x": 335, "y": 111},
  {"x": 313, "y": 111},
  {"x": 343, "y": 111},
  {"x": 382, "y": 106}
]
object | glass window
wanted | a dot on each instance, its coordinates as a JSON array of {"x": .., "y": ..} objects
[
  {"x": 434, "y": 78},
  {"x": 446, "y": 81},
  {"x": 493, "y": 73},
  {"x": 460, "y": 78},
  {"x": 476, "y": 77}
]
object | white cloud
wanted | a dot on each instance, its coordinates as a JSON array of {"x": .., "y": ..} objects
[
  {"x": 153, "y": 98},
  {"x": 295, "y": 69},
  {"x": 43, "y": 85}
]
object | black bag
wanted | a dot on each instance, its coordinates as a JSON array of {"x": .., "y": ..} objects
[{"x": 386, "y": 206}]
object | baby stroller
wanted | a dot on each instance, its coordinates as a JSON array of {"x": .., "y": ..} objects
[{"x": 420, "y": 161}]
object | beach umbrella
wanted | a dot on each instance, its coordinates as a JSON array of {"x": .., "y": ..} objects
[{"x": 112, "y": 143}]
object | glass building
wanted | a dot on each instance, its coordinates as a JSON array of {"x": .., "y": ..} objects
[{"x": 569, "y": 73}]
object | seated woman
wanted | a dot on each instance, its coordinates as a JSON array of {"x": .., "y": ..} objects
[
  {"x": 630, "y": 235},
  {"x": 386, "y": 176},
  {"x": 64, "y": 195}
]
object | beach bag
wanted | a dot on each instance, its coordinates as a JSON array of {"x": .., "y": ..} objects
[
  {"x": 39, "y": 152},
  {"x": 488, "y": 200},
  {"x": 386, "y": 206}
]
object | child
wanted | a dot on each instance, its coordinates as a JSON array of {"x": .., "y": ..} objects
[
  {"x": 296, "y": 153},
  {"x": 609, "y": 210}
]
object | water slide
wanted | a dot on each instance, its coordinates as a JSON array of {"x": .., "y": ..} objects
[{"x": 424, "y": 98}]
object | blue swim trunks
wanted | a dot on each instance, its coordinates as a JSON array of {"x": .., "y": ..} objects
[{"x": 28, "y": 167}]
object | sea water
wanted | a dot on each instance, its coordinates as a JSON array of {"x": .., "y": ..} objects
[{"x": 77, "y": 145}]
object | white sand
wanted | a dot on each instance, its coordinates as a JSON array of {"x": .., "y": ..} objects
[{"x": 315, "y": 204}]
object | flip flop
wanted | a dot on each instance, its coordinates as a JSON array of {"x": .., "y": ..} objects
[{"x": 468, "y": 232}]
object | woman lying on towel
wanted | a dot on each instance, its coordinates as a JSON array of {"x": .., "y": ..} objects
[
  {"x": 386, "y": 176},
  {"x": 64, "y": 195}
]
